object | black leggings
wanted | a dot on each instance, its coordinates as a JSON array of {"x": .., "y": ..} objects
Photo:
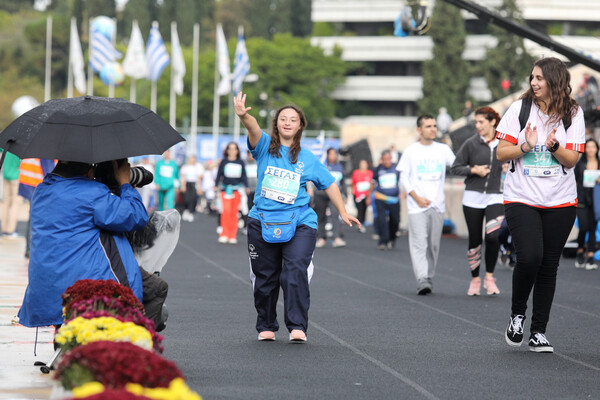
[
  {"x": 539, "y": 236},
  {"x": 587, "y": 226},
  {"x": 361, "y": 207},
  {"x": 493, "y": 214}
]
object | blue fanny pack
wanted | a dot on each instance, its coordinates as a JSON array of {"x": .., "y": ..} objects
[{"x": 279, "y": 226}]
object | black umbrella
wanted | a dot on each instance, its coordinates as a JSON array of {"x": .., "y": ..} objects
[{"x": 88, "y": 129}]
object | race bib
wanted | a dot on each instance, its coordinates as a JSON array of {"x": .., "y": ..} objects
[
  {"x": 166, "y": 171},
  {"x": 542, "y": 164},
  {"x": 363, "y": 186},
  {"x": 280, "y": 185},
  {"x": 388, "y": 181},
  {"x": 337, "y": 175},
  {"x": 251, "y": 170},
  {"x": 589, "y": 177},
  {"x": 232, "y": 170},
  {"x": 430, "y": 171}
]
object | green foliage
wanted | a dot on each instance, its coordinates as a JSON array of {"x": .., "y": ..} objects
[
  {"x": 508, "y": 59},
  {"x": 446, "y": 75}
]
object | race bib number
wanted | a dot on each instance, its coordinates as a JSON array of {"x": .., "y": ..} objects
[
  {"x": 542, "y": 164},
  {"x": 363, "y": 186},
  {"x": 388, "y": 181},
  {"x": 280, "y": 185},
  {"x": 590, "y": 176},
  {"x": 232, "y": 170},
  {"x": 430, "y": 171}
]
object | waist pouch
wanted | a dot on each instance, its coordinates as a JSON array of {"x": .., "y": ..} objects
[{"x": 279, "y": 226}]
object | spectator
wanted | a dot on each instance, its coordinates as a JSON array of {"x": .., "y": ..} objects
[
  {"x": 11, "y": 201},
  {"x": 444, "y": 120}
]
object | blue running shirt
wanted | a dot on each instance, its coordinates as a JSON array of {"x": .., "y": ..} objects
[{"x": 282, "y": 185}]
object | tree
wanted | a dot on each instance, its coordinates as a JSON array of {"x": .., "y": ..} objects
[
  {"x": 446, "y": 75},
  {"x": 508, "y": 60}
]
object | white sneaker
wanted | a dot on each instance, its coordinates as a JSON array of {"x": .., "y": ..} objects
[
  {"x": 233, "y": 241},
  {"x": 339, "y": 242},
  {"x": 223, "y": 239},
  {"x": 321, "y": 242}
]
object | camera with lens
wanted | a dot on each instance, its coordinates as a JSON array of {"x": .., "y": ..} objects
[{"x": 138, "y": 176}]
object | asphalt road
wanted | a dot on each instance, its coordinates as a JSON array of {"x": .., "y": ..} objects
[{"x": 370, "y": 336}]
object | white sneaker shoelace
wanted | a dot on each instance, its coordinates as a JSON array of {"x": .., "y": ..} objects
[
  {"x": 541, "y": 339},
  {"x": 517, "y": 324}
]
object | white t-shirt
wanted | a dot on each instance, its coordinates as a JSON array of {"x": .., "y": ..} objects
[
  {"x": 539, "y": 180},
  {"x": 423, "y": 169},
  {"x": 191, "y": 173}
]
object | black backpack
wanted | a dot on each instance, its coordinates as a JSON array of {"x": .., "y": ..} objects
[{"x": 524, "y": 116}]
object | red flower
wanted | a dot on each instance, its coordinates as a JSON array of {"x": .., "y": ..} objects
[
  {"x": 85, "y": 289},
  {"x": 112, "y": 394},
  {"x": 114, "y": 364}
]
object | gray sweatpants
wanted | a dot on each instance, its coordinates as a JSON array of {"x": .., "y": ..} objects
[{"x": 424, "y": 235}]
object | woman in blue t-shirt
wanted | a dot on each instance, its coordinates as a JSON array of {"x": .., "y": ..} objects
[{"x": 283, "y": 169}]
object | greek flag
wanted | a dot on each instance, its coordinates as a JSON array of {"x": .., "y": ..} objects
[
  {"x": 241, "y": 63},
  {"x": 103, "y": 51},
  {"x": 156, "y": 54}
]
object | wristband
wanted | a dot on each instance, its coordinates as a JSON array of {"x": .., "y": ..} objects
[
  {"x": 523, "y": 151},
  {"x": 554, "y": 147}
]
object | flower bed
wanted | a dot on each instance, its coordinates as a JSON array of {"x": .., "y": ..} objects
[
  {"x": 114, "y": 364},
  {"x": 85, "y": 289},
  {"x": 80, "y": 331}
]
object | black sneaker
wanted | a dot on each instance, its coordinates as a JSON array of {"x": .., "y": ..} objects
[
  {"x": 514, "y": 331},
  {"x": 580, "y": 260},
  {"x": 424, "y": 288},
  {"x": 539, "y": 343}
]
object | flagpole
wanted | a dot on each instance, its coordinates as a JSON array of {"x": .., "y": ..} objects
[
  {"x": 111, "y": 86},
  {"x": 172, "y": 98},
  {"x": 194, "y": 116},
  {"x": 47, "y": 93},
  {"x": 153, "y": 96},
  {"x": 90, "y": 88},
  {"x": 132, "y": 90},
  {"x": 70, "y": 68},
  {"x": 216, "y": 102}
]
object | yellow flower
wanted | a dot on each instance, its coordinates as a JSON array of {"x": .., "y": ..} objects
[
  {"x": 82, "y": 331},
  {"x": 87, "y": 389},
  {"x": 177, "y": 390}
]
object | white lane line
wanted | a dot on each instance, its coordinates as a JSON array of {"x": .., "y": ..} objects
[
  {"x": 451, "y": 277},
  {"x": 336, "y": 338},
  {"x": 408, "y": 299}
]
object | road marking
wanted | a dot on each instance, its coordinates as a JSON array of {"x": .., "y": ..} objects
[{"x": 331, "y": 335}]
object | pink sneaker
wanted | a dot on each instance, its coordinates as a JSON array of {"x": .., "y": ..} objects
[
  {"x": 489, "y": 284},
  {"x": 474, "y": 287}
]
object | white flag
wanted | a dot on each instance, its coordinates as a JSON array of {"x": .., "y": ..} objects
[
  {"x": 76, "y": 59},
  {"x": 223, "y": 63},
  {"x": 177, "y": 63},
  {"x": 134, "y": 64},
  {"x": 241, "y": 63}
]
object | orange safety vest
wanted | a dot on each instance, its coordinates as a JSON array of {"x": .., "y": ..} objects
[{"x": 31, "y": 172}]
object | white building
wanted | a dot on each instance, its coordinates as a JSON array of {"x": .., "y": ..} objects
[{"x": 394, "y": 85}]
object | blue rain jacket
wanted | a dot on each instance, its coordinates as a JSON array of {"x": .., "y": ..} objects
[{"x": 78, "y": 232}]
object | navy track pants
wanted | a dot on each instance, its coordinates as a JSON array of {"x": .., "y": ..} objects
[{"x": 286, "y": 265}]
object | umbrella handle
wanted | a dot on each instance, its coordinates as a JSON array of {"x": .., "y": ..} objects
[{"x": 4, "y": 152}]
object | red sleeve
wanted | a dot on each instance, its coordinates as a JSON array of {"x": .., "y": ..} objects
[{"x": 506, "y": 137}]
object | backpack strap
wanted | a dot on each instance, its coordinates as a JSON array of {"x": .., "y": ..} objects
[{"x": 524, "y": 113}]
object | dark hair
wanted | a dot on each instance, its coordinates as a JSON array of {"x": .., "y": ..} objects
[
  {"x": 561, "y": 106},
  {"x": 422, "y": 117},
  {"x": 595, "y": 142},
  {"x": 489, "y": 113},
  {"x": 276, "y": 143},
  {"x": 227, "y": 147},
  {"x": 70, "y": 169}
]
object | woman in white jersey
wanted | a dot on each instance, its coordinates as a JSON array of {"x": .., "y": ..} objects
[
  {"x": 540, "y": 194},
  {"x": 282, "y": 228}
]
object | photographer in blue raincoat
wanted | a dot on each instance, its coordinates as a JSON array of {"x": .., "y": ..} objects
[{"x": 78, "y": 232}]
